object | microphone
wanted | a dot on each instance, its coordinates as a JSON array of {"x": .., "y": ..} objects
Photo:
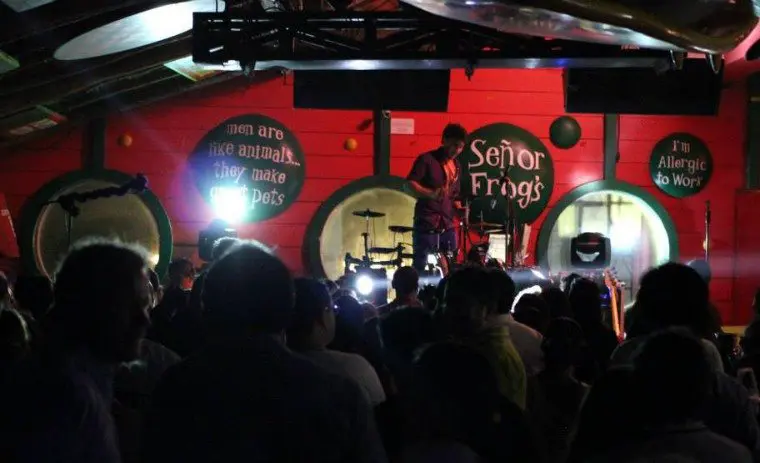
[
  {"x": 504, "y": 179},
  {"x": 139, "y": 184}
]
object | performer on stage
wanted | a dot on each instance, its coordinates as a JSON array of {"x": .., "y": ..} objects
[{"x": 434, "y": 181}]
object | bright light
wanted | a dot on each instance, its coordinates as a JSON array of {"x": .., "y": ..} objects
[
  {"x": 228, "y": 203},
  {"x": 531, "y": 290},
  {"x": 624, "y": 236},
  {"x": 364, "y": 285},
  {"x": 538, "y": 275},
  {"x": 154, "y": 259},
  {"x": 432, "y": 259}
]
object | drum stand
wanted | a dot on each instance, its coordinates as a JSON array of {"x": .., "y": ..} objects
[
  {"x": 365, "y": 238},
  {"x": 510, "y": 227},
  {"x": 465, "y": 230}
]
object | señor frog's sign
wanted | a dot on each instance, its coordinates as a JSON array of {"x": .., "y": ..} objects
[{"x": 498, "y": 149}]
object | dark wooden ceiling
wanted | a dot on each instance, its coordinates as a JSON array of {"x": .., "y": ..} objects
[
  {"x": 73, "y": 91},
  {"x": 81, "y": 89}
]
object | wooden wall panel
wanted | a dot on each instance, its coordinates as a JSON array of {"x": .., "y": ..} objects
[{"x": 165, "y": 134}]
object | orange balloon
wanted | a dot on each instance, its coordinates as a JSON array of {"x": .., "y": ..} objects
[
  {"x": 125, "y": 140},
  {"x": 350, "y": 144}
]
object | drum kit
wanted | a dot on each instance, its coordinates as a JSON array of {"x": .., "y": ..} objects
[
  {"x": 474, "y": 241},
  {"x": 395, "y": 255}
]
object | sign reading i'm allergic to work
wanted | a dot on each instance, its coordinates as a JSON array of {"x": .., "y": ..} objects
[
  {"x": 496, "y": 149},
  {"x": 680, "y": 165},
  {"x": 251, "y": 164}
]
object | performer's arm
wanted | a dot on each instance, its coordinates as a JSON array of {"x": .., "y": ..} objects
[
  {"x": 414, "y": 179},
  {"x": 419, "y": 191}
]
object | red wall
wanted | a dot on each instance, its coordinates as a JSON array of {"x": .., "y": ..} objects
[
  {"x": 25, "y": 169},
  {"x": 724, "y": 136},
  {"x": 165, "y": 134}
]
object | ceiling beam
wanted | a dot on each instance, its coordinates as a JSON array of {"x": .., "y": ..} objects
[
  {"x": 218, "y": 84},
  {"x": 48, "y": 18},
  {"x": 116, "y": 93},
  {"x": 53, "y": 70},
  {"x": 57, "y": 90}
]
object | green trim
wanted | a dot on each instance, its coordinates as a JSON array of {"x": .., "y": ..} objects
[
  {"x": 35, "y": 204},
  {"x": 752, "y": 147},
  {"x": 603, "y": 185},
  {"x": 381, "y": 141},
  {"x": 611, "y": 145},
  {"x": 311, "y": 254},
  {"x": 94, "y": 145}
]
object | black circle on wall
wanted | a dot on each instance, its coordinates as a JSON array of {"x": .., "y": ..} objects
[
  {"x": 565, "y": 132},
  {"x": 680, "y": 165},
  {"x": 498, "y": 149},
  {"x": 253, "y": 161}
]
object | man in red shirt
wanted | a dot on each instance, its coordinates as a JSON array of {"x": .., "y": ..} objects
[{"x": 434, "y": 181}]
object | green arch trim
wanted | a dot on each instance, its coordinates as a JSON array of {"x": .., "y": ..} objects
[
  {"x": 34, "y": 205},
  {"x": 542, "y": 245},
  {"x": 310, "y": 252}
]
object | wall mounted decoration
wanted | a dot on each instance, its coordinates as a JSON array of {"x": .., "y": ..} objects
[
  {"x": 249, "y": 168},
  {"x": 680, "y": 165},
  {"x": 496, "y": 151},
  {"x": 565, "y": 132}
]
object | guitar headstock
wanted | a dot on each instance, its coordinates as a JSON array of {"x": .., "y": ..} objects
[{"x": 611, "y": 277}]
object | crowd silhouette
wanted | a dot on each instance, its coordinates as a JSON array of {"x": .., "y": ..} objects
[{"x": 243, "y": 361}]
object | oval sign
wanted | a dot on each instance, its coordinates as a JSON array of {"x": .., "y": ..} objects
[
  {"x": 680, "y": 165},
  {"x": 495, "y": 149},
  {"x": 249, "y": 168}
]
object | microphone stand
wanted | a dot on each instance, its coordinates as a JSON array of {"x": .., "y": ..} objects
[
  {"x": 466, "y": 228},
  {"x": 708, "y": 219},
  {"x": 68, "y": 202}
]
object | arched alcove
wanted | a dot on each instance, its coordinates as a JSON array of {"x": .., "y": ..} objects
[
  {"x": 640, "y": 230},
  {"x": 334, "y": 231},
  {"x": 131, "y": 218}
]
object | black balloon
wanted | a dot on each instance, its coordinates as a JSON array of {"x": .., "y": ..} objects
[{"x": 565, "y": 132}]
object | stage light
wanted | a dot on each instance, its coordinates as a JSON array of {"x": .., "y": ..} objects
[
  {"x": 538, "y": 274},
  {"x": 364, "y": 285},
  {"x": 229, "y": 203},
  {"x": 432, "y": 259},
  {"x": 370, "y": 284},
  {"x": 525, "y": 278}
]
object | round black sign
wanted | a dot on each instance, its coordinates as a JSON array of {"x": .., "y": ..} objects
[
  {"x": 249, "y": 168},
  {"x": 505, "y": 161},
  {"x": 680, "y": 165}
]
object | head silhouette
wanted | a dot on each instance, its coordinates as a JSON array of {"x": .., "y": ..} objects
[
  {"x": 101, "y": 299},
  {"x": 249, "y": 290},
  {"x": 674, "y": 295}
]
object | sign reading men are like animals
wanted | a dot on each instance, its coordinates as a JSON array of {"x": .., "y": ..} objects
[
  {"x": 253, "y": 161},
  {"x": 680, "y": 165},
  {"x": 496, "y": 149}
]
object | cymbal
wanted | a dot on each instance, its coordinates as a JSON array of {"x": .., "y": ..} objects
[
  {"x": 368, "y": 214},
  {"x": 400, "y": 229},
  {"x": 382, "y": 250},
  {"x": 495, "y": 231}
]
